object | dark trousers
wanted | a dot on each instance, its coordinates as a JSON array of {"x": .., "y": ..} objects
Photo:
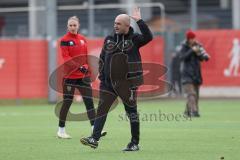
[
  {"x": 84, "y": 87},
  {"x": 192, "y": 91},
  {"x": 107, "y": 98}
]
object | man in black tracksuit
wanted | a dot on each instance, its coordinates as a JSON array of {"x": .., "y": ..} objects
[
  {"x": 192, "y": 54},
  {"x": 117, "y": 78}
]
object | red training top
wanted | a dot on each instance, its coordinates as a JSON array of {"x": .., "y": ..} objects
[{"x": 74, "y": 53}]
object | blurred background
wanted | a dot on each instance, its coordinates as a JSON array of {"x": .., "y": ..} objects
[{"x": 30, "y": 30}]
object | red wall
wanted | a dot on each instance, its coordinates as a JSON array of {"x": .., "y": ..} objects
[
  {"x": 218, "y": 44},
  {"x": 24, "y": 72},
  {"x": 8, "y": 71}
]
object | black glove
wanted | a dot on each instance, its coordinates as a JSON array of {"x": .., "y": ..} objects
[{"x": 83, "y": 69}]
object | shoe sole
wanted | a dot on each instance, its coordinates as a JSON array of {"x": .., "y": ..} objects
[
  {"x": 87, "y": 144},
  {"x": 103, "y": 134},
  {"x": 63, "y": 138},
  {"x": 130, "y": 150}
]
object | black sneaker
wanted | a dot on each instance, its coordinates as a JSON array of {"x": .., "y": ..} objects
[
  {"x": 103, "y": 133},
  {"x": 131, "y": 147},
  {"x": 89, "y": 141}
]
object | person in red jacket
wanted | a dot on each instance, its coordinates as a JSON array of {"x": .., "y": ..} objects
[{"x": 76, "y": 74}]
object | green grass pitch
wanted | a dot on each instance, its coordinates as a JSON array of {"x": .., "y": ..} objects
[{"x": 29, "y": 132}]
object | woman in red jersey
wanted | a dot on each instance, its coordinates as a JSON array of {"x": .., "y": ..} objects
[{"x": 77, "y": 74}]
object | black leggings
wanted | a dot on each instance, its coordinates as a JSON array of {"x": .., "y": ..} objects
[{"x": 84, "y": 87}]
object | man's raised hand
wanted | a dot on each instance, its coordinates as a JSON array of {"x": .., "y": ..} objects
[{"x": 136, "y": 15}]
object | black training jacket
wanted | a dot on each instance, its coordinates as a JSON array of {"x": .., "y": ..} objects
[
  {"x": 127, "y": 45},
  {"x": 190, "y": 65}
]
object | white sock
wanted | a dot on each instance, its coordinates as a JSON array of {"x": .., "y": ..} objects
[
  {"x": 61, "y": 129},
  {"x": 92, "y": 128}
]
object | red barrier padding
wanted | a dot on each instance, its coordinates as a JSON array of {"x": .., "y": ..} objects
[
  {"x": 219, "y": 44},
  {"x": 24, "y": 71}
]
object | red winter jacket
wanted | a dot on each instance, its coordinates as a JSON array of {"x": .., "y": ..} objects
[{"x": 74, "y": 53}]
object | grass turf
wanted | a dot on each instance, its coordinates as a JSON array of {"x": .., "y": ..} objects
[{"x": 29, "y": 132}]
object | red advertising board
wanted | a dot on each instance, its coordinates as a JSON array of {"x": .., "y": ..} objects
[
  {"x": 24, "y": 63},
  {"x": 33, "y": 69},
  {"x": 224, "y": 48},
  {"x": 8, "y": 69},
  {"x": 23, "y": 69}
]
